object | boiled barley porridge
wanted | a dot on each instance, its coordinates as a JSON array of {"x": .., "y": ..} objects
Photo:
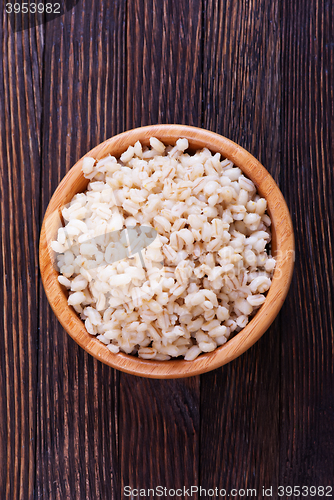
[{"x": 166, "y": 253}]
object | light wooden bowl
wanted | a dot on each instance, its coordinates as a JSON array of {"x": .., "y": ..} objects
[{"x": 282, "y": 248}]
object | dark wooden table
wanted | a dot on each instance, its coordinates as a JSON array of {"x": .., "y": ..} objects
[{"x": 260, "y": 72}]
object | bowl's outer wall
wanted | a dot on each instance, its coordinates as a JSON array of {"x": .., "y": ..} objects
[{"x": 282, "y": 248}]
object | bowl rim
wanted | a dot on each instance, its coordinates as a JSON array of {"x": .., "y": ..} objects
[{"x": 285, "y": 254}]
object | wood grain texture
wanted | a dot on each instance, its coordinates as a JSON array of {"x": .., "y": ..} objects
[
  {"x": 307, "y": 387},
  {"x": 159, "y": 433},
  {"x": 257, "y": 71},
  {"x": 83, "y": 104},
  {"x": 164, "y": 62},
  {"x": 240, "y": 402},
  {"x": 20, "y": 109}
]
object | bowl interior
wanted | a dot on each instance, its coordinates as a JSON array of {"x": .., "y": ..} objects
[{"x": 282, "y": 246}]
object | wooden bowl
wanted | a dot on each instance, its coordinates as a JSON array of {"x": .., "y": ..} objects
[{"x": 282, "y": 249}]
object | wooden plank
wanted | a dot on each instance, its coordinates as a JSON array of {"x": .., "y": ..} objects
[
  {"x": 164, "y": 62},
  {"x": 159, "y": 420},
  {"x": 240, "y": 402},
  {"x": 307, "y": 438},
  {"x": 158, "y": 434},
  {"x": 267, "y": 418},
  {"x": 20, "y": 110},
  {"x": 83, "y": 103}
]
